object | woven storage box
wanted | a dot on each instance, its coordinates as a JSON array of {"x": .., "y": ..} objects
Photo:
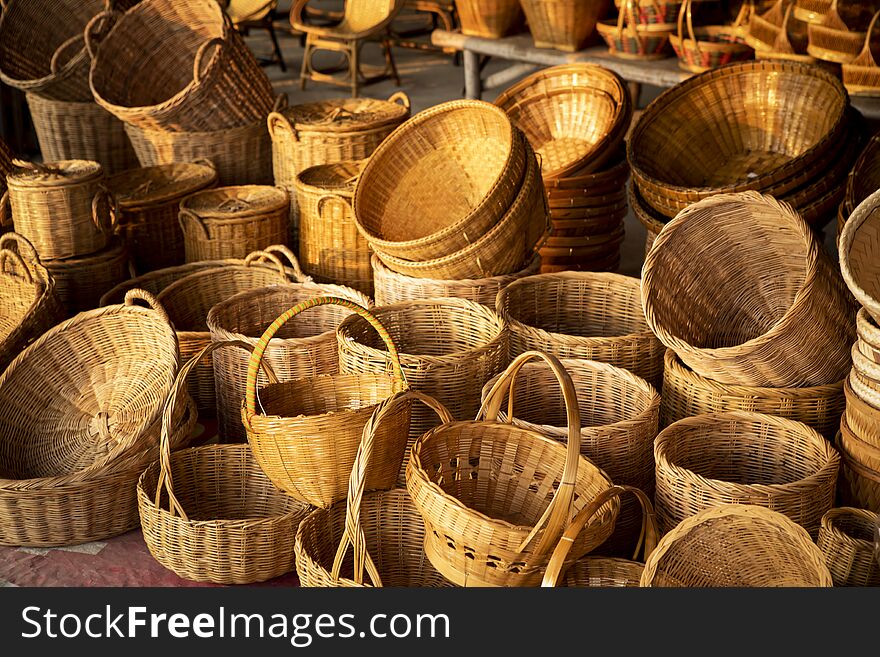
[
  {"x": 703, "y": 48},
  {"x": 858, "y": 254},
  {"x": 62, "y": 208},
  {"x": 492, "y": 19},
  {"x": 80, "y": 131},
  {"x": 846, "y": 538},
  {"x": 300, "y": 350},
  {"x": 29, "y": 305},
  {"x": 230, "y": 222},
  {"x": 744, "y": 458},
  {"x": 582, "y": 315},
  {"x": 149, "y": 200},
  {"x": 686, "y": 394},
  {"x": 330, "y": 247},
  {"x": 194, "y": 70},
  {"x": 448, "y": 349},
  {"x": 785, "y": 321},
  {"x": 81, "y": 282},
  {"x": 562, "y": 24},
  {"x": 209, "y": 513},
  {"x": 480, "y": 534},
  {"x": 384, "y": 530},
  {"x": 736, "y": 546}
]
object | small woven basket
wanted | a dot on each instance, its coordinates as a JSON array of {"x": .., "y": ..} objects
[
  {"x": 562, "y": 24},
  {"x": 81, "y": 282},
  {"x": 736, "y": 545},
  {"x": 833, "y": 40},
  {"x": 492, "y": 19},
  {"x": 861, "y": 76},
  {"x": 846, "y": 538},
  {"x": 629, "y": 38},
  {"x": 709, "y": 46}
]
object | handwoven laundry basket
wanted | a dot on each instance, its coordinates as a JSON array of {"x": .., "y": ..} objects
[{"x": 80, "y": 282}]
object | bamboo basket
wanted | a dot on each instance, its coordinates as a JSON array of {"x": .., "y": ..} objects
[
  {"x": 82, "y": 395},
  {"x": 231, "y": 222},
  {"x": 479, "y": 534},
  {"x": 791, "y": 43},
  {"x": 29, "y": 305},
  {"x": 68, "y": 130},
  {"x": 709, "y": 46},
  {"x": 448, "y": 348},
  {"x": 687, "y": 394},
  {"x": 859, "y": 483},
  {"x": 864, "y": 178},
  {"x": 861, "y": 76},
  {"x": 811, "y": 11},
  {"x": 619, "y": 415},
  {"x": 562, "y": 24},
  {"x": 846, "y": 538},
  {"x": 763, "y": 29},
  {"x": 330, "y": 247},
  {"x": 582, "y": 315},
  {"x": 307, "y": 431},
  {"x": 62, "y": 208},
  {"x": 636, "y": 35},
  {"x": 209, "y": 513},
  {"x": 742, "y": 457},
  {"x": 81, "y": 282},
  {"x": 647, "y": 216},
  {"x": 494, "y": 19},
  {"x": 857, "y": 251},
  {"x": 195, "y": 72},
  {"x": 441, "y": 181},
  {"x": 786, "y": 322},
  {"x": 384, "y": 530},
  {"x": 300, "y": 350},
  {"x": 609, "y": 181},
  {"x": 736, "y": 545},
  {"x": 833, "y": 40},
  {"x": 149, "y": 200}
]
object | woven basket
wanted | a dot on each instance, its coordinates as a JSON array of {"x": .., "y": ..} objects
[
  {"x": 492, "y": 19},
  {"x": 652, "y": 220},
  {"x": 562, "y": 24},
  {"x": 709, "y": 46},
  {"x": 785, "y": 322},
  {"x": 194, "y": 70},
  {"x": 861, "y": 76},
  {"x": 441, "y": 181},
  {"x": 209, "y": 513},
  {"x": 811, "y": 11},
  {"x": 330, "y": 247},
  {"x": 149, "y": 200},
  {"x": 859, "y": 483},
  {"x": 736, "y": 546},
  {"x": 858, "y": 254},
  {"x": 384, "y": 530},
  {"x": 609, "y": 181},
  {"x": 864, "y": 179},
  {"x": 82, "y": 395},
  {"x": 69, "y": 130},
  {"x": 840, "y": 35},
  {"x": 231, "y": 222},
  {"x": 448, "y": 349},
  {"x": 744, "y": 458},
  {"x": 582, "y": 315},
  {"x": 629, "y": 38},
  {"x": 29, "y": 305},
  {"x": 300, "y": 350},
  {"x": 764, "y": 28},
  {"x": 619, "y": 415},
  {"x": 650, "y": 12},
  {"x": 846, "y": 538},
  {"x": 686, "y": 394},
  {"x": 788, "y": 40},
  {"x": 480, "y": 534},
  {"x": 81, "y": 282},
  {"x": 61, "y": 208},
  {"x": 307, "y": 431}
]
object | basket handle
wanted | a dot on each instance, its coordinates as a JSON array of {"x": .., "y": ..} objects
[
  {"x": 558, "y": 512},
  {"x": 136, "y": 294},
  {"x": 103, "y": 194},
  {"x": 259, "y": 256},
  {"x": 109, "y": 18},
  {"x": 400, "y": 98},
  {"x": 263, "y": 343},
  {"x": 5, "y": 213},
  {"x": 54, "y": 63},
  {"x": 204, "y": 161},
  {"x": 354, "y": 534},
  {"x": 331, "y": 197},
  {"x": 165, "y": 479},
  {"x": 214, "y": 42},
  {"x": 188, "y": 216},
  {"x": 21, "y": 253},
  {"x": 866, "y": 49},
  {"x": 281, "y": 250},
  {"x": 647, "y": 538},
  {"x": 277, "y": 121}
]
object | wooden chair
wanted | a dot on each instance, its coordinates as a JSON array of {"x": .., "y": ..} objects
[
  {"x": 441, "y": 13},
  {"x": 258, "y": 14},
  {"x": 362, "y": 20}
]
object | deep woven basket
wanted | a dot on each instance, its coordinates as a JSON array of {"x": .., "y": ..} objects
[
  {"x": 81, "y": 282},
  {"x": 846, "y": 538},
  {"x": 562, "y": 24},
  {"x": 492, "y": 19}
]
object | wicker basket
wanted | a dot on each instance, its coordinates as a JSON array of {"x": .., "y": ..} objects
[
  {"x": 846, "y": 538},
  {"x": 61, "y": 208},
  {"x": 149, "y": 200},
  {"x": 330, "y": 247},
  {"x": 686, "y": 394},
  {"x": 709, "y": 46},
  {"x": 652, "y": 220},
  {"x": 582, "y": 315},
  {"x": 562, "y": 24},
  {"x": 480, "y": 534},
  {"x": 29, "y": 305},
  {"x": 859, "y": 483},
  {"x": 619, "y": 415},
  {"x": 209, "y": 513},
  {"x": 384, "y": 530},
  {"x": 69, "y": 130},
  {"x": 858, "y": 254},
  {"x": 736, "y": 545},
  {"x": 629, "y": 38},
  {"x": 790, "y": 40},
  {"x": 840, "y": 35},
  {"x": 811, "y": 11},
  {"x": 744, "y": 458},
  {"x": 786, "y": 321},
  {"x": 864, "y": 179},
  {"x": 764, "y": 28},
  {"x": 194, "y": 70},
  {"x": 307, "y": 431},
  {"x": 441, "y": 181},
  {"x": 81, "y": 282},
  {"x": 492, "y": 19},
  {"x": 861, "y": 76},
  {"x": 448, "y": 349},
  {"x": 230, "y": 222},
  {"x": 609, "y": 181},
  {"x": 300, "y": 350}
]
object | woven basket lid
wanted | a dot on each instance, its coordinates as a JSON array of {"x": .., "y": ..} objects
[
  {"x": 345, "y": 114},
  {"x": 339, "y": 177},
  {"x": 158, "y": 185},
  {"x": 63, "y": 172},
  {"x": 233, "y": 202}
]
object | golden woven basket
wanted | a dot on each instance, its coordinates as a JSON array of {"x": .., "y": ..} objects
[
  {"x": 562, "y": 24},
  {"x": 846, "y": 538},
  {"x": 788, "y": 40},
  {"x": 864, "y": 179},
  {"x": 840, "y": 35},
  {"x": 811, "y": 11},
  {"x": 492, "y": 19},
  {"x": 709, "y": 46},
  {"x": 859, "y": 483},
  {"x": 639, "y": 33},
  {"x": 858, "y": 251},
  {"x": 861, "y": 76},
  {"x": 81, "y": 282}
]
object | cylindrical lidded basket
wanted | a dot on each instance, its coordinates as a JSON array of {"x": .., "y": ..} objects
[
  {"x": 81, "y": 282},
  {"x": 846, "y": 538}
]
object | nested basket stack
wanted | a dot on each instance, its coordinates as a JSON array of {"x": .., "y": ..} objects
[
  {"x": 641, "y": 30},
  {"x": 575, "y": 117},
  {"x": 846, "y": 538},
  {"x": 492, "y": 19},
  {"x": 562, "y": 24},
  {"x": 710, "y": 46}
]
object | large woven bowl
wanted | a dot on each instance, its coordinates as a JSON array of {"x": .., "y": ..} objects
[{"x": 776, "y": 313}]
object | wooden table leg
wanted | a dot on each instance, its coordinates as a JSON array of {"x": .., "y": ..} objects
[{"x": 473, "y": 86}]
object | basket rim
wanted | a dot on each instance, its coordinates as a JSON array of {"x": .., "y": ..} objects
[
  {"x": 861, "y": 214},
  {"x": 116, "y": 249},
  {"x": 319, "y": 128},
  {"x": 377, "y": 264},
  {"x": 610, "y": 174},
  {"x": 278, "y": 198},
  {"x": 19, "y": 177},
  {"x": 202, "y": 176}
]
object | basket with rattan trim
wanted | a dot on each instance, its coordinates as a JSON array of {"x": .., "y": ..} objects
[
  {"x": 737, "y": 545},
  {"x": 81, "y": 282},
  {"x": 709, "y": 46},
  {"x": 868, "y": 332},
  {"x": 840, "y": 35},
  {"x": 790, "y": 42},
  {"x": 492, "y": 19},
  {"x": 609, "y": 181},
  {"x": 846, "y": 538},
  {"x": 561, "y": 24}
]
